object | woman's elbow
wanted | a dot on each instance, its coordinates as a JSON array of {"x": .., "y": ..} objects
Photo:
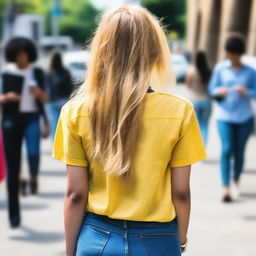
[
  {"x": 181, "y": 195},
  {"x": 76, "y": 197}
]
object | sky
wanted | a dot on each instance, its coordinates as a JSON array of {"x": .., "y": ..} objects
[{"x": 109, "y": 3}]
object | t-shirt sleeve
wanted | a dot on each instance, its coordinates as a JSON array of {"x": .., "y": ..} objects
[
  {"x": 190, "y": 147},
  {"x": 68, "y": 146}
]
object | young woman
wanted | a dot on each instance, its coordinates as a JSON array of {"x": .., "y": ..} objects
[
  {"x": 197, "y": 82},
  {"x": 20, "y": 118},
  {"x": 233, "y": 84},
  {"x": 126, "y": 147},
  {"x": 59, "y": 88}
]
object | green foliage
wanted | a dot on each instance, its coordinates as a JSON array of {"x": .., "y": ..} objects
[
  {"x": 28, "y": 6},
  {"x": 79, "y": 19},
  {"x": 172, "y": 13}
]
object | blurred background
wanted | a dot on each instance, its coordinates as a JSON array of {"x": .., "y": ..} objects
[
  {"x": 68, "y": 25},
  {"x": 192, "y": 25}
]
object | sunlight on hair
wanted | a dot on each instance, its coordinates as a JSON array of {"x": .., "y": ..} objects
[{"x": 129, "y": 53}]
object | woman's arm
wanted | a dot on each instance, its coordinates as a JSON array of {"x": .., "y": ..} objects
[
  {"x": 39, "y": 93},
  {"x": 180, "y": 178},
  {"x": 189, "y": 78},
  {"x": 249, "y": 90},
  {"x": 215, "y": 88},
  {"x": 8, "y": 97},
  {"x": 2, "y": 98},
  {"x": 74, "y": 205}
]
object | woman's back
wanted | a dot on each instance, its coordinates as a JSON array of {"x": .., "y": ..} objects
[
  {"x": 59, "y": 85},
  {"x": 59, "y": 79},
  {"x": 197, "y": 88},
  {"x": 119, "y": 143},
  {"x": 169, "y": 138}
]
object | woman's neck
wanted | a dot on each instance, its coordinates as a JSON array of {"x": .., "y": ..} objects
[
  {"x": 22, "y": 66},
  {"x": 236, "y": 64}
]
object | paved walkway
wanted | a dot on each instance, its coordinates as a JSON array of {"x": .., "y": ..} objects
[{"x": 215, "y": 230}]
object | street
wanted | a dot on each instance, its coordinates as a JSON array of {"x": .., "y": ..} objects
[{"x": 216, "y": 229}]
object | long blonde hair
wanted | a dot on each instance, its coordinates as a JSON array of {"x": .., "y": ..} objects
[{"x": 128, "y": 52}]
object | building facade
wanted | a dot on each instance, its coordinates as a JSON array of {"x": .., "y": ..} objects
[{"x": 211, "y": 22}]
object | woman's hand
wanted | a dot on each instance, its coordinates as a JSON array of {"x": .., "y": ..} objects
[
  {"x": 11, "y": 97},
  {"x": 45, "y": 130},
  {"x": 39, "y": 93},
  {"x": 242, "y": 90},
  {"x": 223, "y": 91}
]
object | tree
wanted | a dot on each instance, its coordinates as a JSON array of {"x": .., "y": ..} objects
[
  {"x": 27, "y": 6},
  {"x": 171, "y": 11},
  {"x": 79, "y": 19}
]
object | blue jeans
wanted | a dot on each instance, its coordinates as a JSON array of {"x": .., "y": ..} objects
[
  {"x": 203, "y": 111},
  {"x": 101, "y": 235},
  {"x": 233, "y": 141},
  {"x": 32, "y": 138},
  {"x": 54, "y": 109}
]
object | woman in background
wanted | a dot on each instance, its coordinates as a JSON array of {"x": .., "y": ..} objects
[
  {"x": 59, "y": 88},
  {"x": 233, "y": 84},
  {"x": 128, "y": 149},
  {"x": 20, "y": 120},
  {"x": 197, "y": 82}
]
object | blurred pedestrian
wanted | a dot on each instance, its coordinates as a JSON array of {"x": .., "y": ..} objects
[
  {"x": 233, "y": 84},
  {"x": 22, "y": 98},
  {"x": 2, "y": 158},
  {"x": 197, "y": 82},
  {"x": 59, "y": 88},
  {"x": 2, "y": 155},
  {"x": 121, "y": 141}
]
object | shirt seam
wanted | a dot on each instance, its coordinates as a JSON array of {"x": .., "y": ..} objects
[
  {"x": 63, "y": 156},
  {"x": 190, "y": 159},
  {"x": 174, "y": 96}
]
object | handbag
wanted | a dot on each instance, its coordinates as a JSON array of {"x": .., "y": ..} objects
[{"x": 44, "y": 120}]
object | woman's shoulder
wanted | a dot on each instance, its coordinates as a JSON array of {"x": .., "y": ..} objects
[
  {"x": 172, "y": 98},
  {"x": 249, "y": 68},
  {"x": 76, "y": 107},
  {"x": 169, "y": 104},
  {"x": 10, "y": 69},
  {"x": 222, "y": 65}
]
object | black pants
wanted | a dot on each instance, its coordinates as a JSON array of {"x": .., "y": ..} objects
[{"x": 15, "y": 128}]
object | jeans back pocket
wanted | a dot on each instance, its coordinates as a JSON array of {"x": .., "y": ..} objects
[
  {"x": 92, "y": 241},
  {"x": 161, "y": 244}
]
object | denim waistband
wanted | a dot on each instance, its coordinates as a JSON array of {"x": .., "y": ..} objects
[{"x": 130, "y": 227}]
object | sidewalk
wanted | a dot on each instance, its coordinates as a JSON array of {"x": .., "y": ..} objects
[{"x": 215, "y": 230}]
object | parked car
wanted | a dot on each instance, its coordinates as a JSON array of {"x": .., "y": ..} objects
[
  {"x": 180, "y": 66},
  {"x": 76, "y": 62},
  {"x": 63, "y": 43}
]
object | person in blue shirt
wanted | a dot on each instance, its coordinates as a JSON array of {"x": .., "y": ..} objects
[{"x": 233, "y": 84}]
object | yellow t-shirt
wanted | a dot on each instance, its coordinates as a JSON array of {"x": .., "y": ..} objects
[{"x": 170, "y": 138}]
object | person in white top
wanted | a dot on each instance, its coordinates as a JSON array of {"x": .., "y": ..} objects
[{"x": 20, "y": 118}]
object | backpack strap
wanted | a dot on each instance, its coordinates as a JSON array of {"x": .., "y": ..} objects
[{"x": 40, "y": 79}]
